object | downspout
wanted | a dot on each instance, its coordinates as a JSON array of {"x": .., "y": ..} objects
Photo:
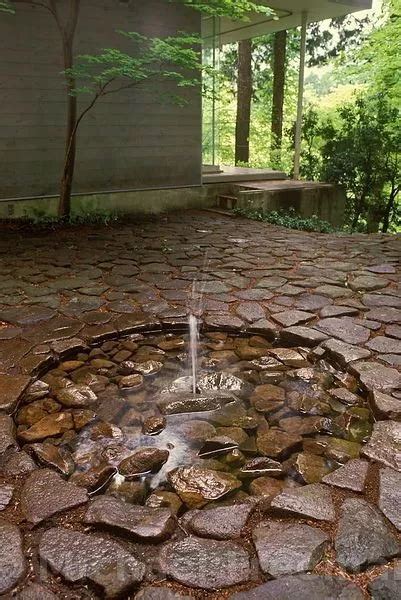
[{"x": 300, "y": 105}]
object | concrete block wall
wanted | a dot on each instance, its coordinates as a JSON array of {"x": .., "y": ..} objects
[{"x": 131, "y": 140}]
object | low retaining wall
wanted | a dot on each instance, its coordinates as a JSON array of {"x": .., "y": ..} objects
[{"x": 323, "y": 200}]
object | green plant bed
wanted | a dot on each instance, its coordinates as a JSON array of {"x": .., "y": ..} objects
[{"x": 289, "y": 218}]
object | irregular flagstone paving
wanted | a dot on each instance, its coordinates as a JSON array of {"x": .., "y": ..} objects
[{"x": 116, "y": 481}]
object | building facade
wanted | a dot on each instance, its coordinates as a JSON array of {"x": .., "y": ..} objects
[{"x": 130, "y": 140}]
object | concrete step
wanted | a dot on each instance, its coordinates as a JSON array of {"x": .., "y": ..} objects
[{"x": 226, "y": 202}]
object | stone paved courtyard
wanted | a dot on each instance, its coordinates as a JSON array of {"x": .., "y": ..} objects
[{"x": 296, "y": 487}]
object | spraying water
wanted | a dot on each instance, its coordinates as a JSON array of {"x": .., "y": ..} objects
[
  {"x": 195, "y": 311},
  {"x": 193, "y": 349}
]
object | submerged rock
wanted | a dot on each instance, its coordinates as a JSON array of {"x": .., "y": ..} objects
[
  {"x": 53, "y": 456},
  {"x": 224, "y": 382},
  {"x": 76, "y": 396},
  {"x": 197, "y": 486},
  {"x": 143, "y": 461}
]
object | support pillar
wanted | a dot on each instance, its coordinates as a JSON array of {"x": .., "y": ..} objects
[{"x": 300, "y": 106}]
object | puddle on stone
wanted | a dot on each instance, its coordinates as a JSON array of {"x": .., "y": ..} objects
[{"x": 122, "y": 419}]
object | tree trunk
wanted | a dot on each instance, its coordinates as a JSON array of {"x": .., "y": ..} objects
[
  {"x": 279, "y": 70},
  {"x": 389, "y": 209},
  {"x": 68, "y": 33},
  {"x": 244, "y": 99}
]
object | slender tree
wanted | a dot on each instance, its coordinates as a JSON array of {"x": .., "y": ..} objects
[
  {"x": 244, "y": 101},
  {"x": 279, "y": 69}
]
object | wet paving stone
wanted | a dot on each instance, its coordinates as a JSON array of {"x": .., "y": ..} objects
[
  {"x": 314, "y": 501},
  {"x": 45, "y": 494},
  {"x": 139, "y": 522},
  {"x": 390, "y": 495},
  {"x": 79, "y": 557},
  {"x": 206, "y": 564},
  {"x": 12, "y": 561},
  {"x": 363, "y": 538},
  {"x": 310, "y": 587},
  {"x": 286, "y": 549}
]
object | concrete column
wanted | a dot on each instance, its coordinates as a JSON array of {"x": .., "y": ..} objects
[{"x": 300, "y": 106}]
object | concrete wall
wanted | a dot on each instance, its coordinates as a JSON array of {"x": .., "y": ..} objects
[
  {"x": 323, "y": 200},
  {"x": 131, "y": 140}
]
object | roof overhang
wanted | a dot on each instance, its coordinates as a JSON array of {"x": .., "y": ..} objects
[{"x": 289, "y": 13}]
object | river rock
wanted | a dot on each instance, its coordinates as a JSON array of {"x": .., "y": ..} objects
[
  {"x": 51, "y": 426},
  {"x": 261, "y": 465},
  {"x": 266, "y": 488},
  {"x": 286, "y": 549},
  {"x": 80, "y": 557},
  {"x": 303, "y": 587},
  {"x": 390, "y": 496},
  {"x": 363, "y": 537},
  {"x": 143, "y": 461},
  {"x": 12, "y": 560},
  {"x": 197, "y": 486},
  {"x": 140, "y": 522},
  {"x": 275, "y": 443},
  {"x": 388, "y": 585},
  {"x": 45, "y": 494},
  {"x": 205, "y": 564},
  {"x": 385, "y": 444},
  {"x": 314, "y": 501},
  {"x": 76, "y": 396},
  {"x": 37, "y": 390},
  {"x": 163, "y": 499},
  {"x": 309, "y": 468},
  {"x": 94, "y": 479},
  {"x": 221, "y": 523},
  {"x": 53, "y": 456},
  {"x": 224, "y": 382},
  {"x": 37, "y": 410},
  {"x": 11, "y": 389},
  {"x": 351, "y": 476},
  {"x": 175, "y": 405},
  {"x": 153, "y": 425}
]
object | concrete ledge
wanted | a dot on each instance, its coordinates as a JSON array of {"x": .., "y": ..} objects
[{"x": 324, "y": 200}]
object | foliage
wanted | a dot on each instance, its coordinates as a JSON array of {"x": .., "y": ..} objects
[
  {"x": 363, "y": 155},
  {"x": 234, "y": 9},
  {"x": 41, "y": 218},
  {"x": 342, "y": 34},
  {"x": 6, "y": 6},
  {"x": 379, "y": 60},
  {"x": 112, "y": 70},
  {"x": 289, "y": 219}
]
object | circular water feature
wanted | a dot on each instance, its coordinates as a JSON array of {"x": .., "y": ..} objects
[{"x": 122, "y": 420}]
